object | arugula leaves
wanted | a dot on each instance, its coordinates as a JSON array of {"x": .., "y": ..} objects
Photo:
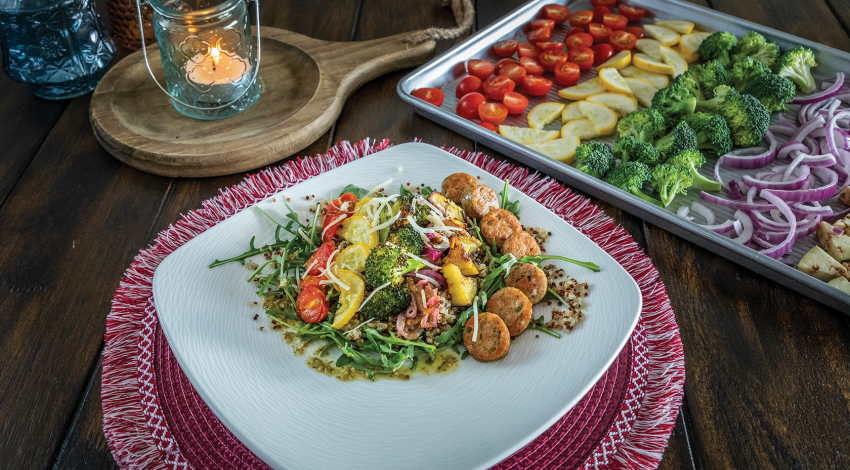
[
  {"x": 507, "y": 204},
  {"x": 355, "y": 190},
  {"x": 537, "y": 259}
]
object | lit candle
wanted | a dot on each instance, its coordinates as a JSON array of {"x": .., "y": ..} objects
[{"x": 217, "y": 68}]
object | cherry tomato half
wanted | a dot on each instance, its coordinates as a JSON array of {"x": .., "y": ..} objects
[
  {"x": 469, "y": 84},
  {"x": 550, "y": 46},
  {"x": 638, "y": 32},
  {"x": 502, "y": 62},
  {"x": 431, "y": 95},
  {"x": 615, "y": 22},
  {"x": 579, "y": 40},
  {"x": 539, "y": 35},
  {"x": 513, "y": 71},
  {"x": 556, "y": 13},
  {"x": 599, "y": 12},
  {"x": 582, "y": 56},
  {"x": 527, "y": 50},
  {"x": 549, "y": 59},
  {"x": 581, "y": 18},
  {"x": 622, "y": 40},
  {"x": 505, "y": 48},
  {"x": 575, "y": 30},
  {"x": 494, "y": 113},
  {"x": 531, "y": 66},
  {"x": 542, "y": 23},
  {"x": 632, "y": 12},
  {"x": 488, "y": 126},
  {"x": 536, "y": 86},
  {"x": 311, "y": 304},
  {"x": 480, "y": 68},
  {"x": 601, "y": 53},
  {"x": 515, "y": 102},
  {"x": 320, "y": 258},
  {"x": 467, "y": 107},
  {"x": 567, "y": 73},
  {"x": 600, "y": 32},
  {"x": 312, "y": 281},
  {"x": 603, "y": 3},
  {"x": 496, "y": 87},
  {"x": 343, "y": 206}
]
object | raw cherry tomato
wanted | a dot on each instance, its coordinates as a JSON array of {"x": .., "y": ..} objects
[
  {"x": 579, "y": 40},
  {"x": 638, "y": 32},
  {"x": 536, "y": 86},
  {"x": 312, "y": 281},
  {"x": 515, "y": 102},
  {"x": 632, "y": 12},
  {"x": 599, "y": 12},
  {"x": 505, "y": 48},
  {"x": 581, "y": 18},
  {"x": 601, "y": 53},
  {"x": 621, "y": 40},
  {"x": 556, "y": 13},
  {"x": 431, "y": 95},
  {"x": 542, "y": 23},
  {"x": 567, "y": 73},
  {"x": 467, "y": 107},
  {"x": 600, "y": 32},
  {"x": 480, "y": 68},
  {"x": 550, "y": 46},
  {"x": 603, "y": 3},
  {"x": 468, "y": 85},
  {"x": 527, "y": 50},
  {"x": 320, "y": 258},
  {"x": 488, "y": 126},
  {"x": 311, "y": 305},
  {"x": 513, "y": 71},
  {"x": 549, "y": 59},
  {"x": 496, "y": 87},
  {"x": 539, "y": 35},
  {"x": 502, "y": 62},
  {"x": 582, "y": 56},
  {"x": 615, "y": 22},
  {"x": 575, "y": 30},
  {"x": 494, "y": 113},
  {"x": 531, "y": 66}
]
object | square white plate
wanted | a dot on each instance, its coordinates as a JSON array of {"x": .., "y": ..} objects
[{"x": 295, "y": 418}]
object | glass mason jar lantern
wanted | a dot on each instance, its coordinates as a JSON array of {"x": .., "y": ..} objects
[{"x": 209, "y": 56}]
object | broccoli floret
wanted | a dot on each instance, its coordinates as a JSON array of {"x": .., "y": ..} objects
[
  {"x": 408, "y": 238},
  {"x": 629, "y": 149},
  {"x": 773, "y": 91},
  {"x": 756, "y": 46},
  {"x": 645, "y": 125},
  {"x": 712, "y": 132},
  {"x": 630, "y": 177},
  {"x": 796, "y": 65},
  {"x": 389, "y": 301},
  {"x": 690, "y": 160},
  {"x": 669, "y": 181},
  {"x": 673, "y": 102},
  {"x": 408, "y": 205},
  {"x": 682, "y": 137},
  {"x": 747, "y": 119},
  {"x": 711, "y": 75},
  {"x": 745, "y": 70},
  {"x": 381, "y": 264},
  {"x": 594, "y": 158},
  {"x": 718, "y": 47},
  {"x": 689, "y": 80},
  {"x": 721, "y": 94}
]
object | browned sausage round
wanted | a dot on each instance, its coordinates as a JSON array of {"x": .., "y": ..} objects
[
  {"x": 456, "y": 185},
  {"x": 521, "y": 244},
  {"x": 498, "y": 225},
  {"x": 478, "y": 201},
  {"x": 528, "y": 278},
  {"x": 513, "y": 307},
  {"x": 493, "y": 341}
]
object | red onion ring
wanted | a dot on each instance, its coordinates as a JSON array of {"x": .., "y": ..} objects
[
  {"x": 747, "y": 232},
  {"x": 800, "y": 209},
  {"x": 808, "y": 127},
  {"x": 778, "y": 250},
  {"x": 809, "y": 195},
  {"x": 826, "y": 94},
  {"x": 792, "y": 184},
  {"x": 750, "y": 162}
]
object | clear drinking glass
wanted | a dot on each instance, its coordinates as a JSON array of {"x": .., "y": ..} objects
[{"x": 56, "y": 48}]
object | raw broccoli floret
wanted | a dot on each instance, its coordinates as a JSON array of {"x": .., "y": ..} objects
[
  {"x": 721, "y": 95},
  {"x": 773, "y": 91},
  {"x": 673, "y": 102},
  {"x": 408, "y": 205},
  {"x": 711, "y": 75},
  {"x": 645, "y": 125},
  {"x": 682, "y": 137},
  {"x": 747, "y": 119},
  {"x": 718, "y": 47},
  {"x": 408, "y": 238},
  {"x": 756, "y": 46},
  {"x": 389, "y": 301},
  {"x": 629, "y": 149},
  {"x": 745, "y": 70},
  {"x": 690, "y": 160},
  {"x": 630, "y": 177},
  {"x": 712, "y": 132},
  {"x": 796, "y": 65},
  {"x": 594, "y": 158},
  {"x": 689, "y": 80},
  {"x": 669, "y": 181}
]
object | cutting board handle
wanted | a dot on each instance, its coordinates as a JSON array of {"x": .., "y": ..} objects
[{"x": 370, "y": 59}]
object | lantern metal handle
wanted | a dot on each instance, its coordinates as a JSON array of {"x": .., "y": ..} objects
[{"x": 147, "y": 63}]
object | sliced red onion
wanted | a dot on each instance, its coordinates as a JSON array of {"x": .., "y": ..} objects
[
  {"x": 789, "y": 171},
  {"x": 785, "y": 149},
  {"x": 794, "y": 183},
  {"x": 782, "y": 129},
  {"x": 785, "y": 246},
  {"x": 683, "y": 211},
  {"x": 746, "y": 233},
  {"x": 837, "y": 231},
  {"x": 830, "y": 138},
  {"x": 737, "y": 225},
  {"x": 412, "y": 309},
  {"x": 845, "y": 97},
  {"x": 735, "y": 204},
  {"x": 802, "y": 113},
  {"x": 431, "y": 254},
  {"x": 435, "y": 275},
  {"x": 749, "y": 162},
  {"x": 809, "y": 195},
  {"x": 817, "y": 161},
  {"x": 832, "y": 107},
  {"x": 704, "y": 211},
  {"x": 823, "y": 95},
  {"x": 804, "y": 229},
  {"x": 717, "y": 172},
  {"x": 803, "y": 210},
  {"x": 783, "y": 121},
  {"x": 725, "y": 227},
  {"x": 808, "y": 127}
]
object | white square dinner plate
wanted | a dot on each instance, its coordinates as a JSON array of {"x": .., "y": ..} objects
[{"x": 293, "y": 417}]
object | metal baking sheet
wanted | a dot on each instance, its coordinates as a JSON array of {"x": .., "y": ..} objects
[{"x": 446, "y": 70}]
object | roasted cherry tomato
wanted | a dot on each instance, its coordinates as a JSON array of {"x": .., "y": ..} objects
[
  {"x": 469, "y": 84},
  {"x": 531, "y": 66},
  {"x": 487, "y": 125},
  {"x": 556, "y": 13},
  {"x": 549, "y": 59},
  {"x": 615, "y": 22},
  {"x": 638, "y": 32},
  {"x": 599, "y": 12},
  {"x": 601, "y": 53},
  {"x": 312, "y": 281},
  {"x": 480, "y": 68},
  {"x": 467, "y": 107},
  {"x": 622, "y": 40},
  {"x": 600, "y": 32},
  {"x": 575, "y": 30},
  {"x": 344, "y": 203},
  {"x": 542, "y": 23},
  {"x": 513, "y": 71},
  {"x": 539, "y": 35},
  {"x": 311, "y": 304},
  {"x": 603, "y": 3},
  {"x": 320, "y": 258},
  {"x": 536, "y": 86},
  {"x": 515, "y": 102},
  {"x": 581, "y": 18},
  {"x": 494, "y": 113},
  {"x": 567, "y": 73},
  {"x": 579, "y": 40},
  {"x": 582, "y": 56},
  {"x": 527, "y": 50},
  {"x": 340, "y": 209},
  {"x": 505, "y": 48},
  {"x": 632, "y": 12},
  {"x": 496, "y": 87},
  {"x": 431, "y": 95},
  {"x": 502, "y": 62},
  {"x": 550, "y": 46}
]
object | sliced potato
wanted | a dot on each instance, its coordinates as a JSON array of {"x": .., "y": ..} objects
[
  {"x": 674, "y": 60},
  {"x": 571, "y": 112},
  {"x": 838, "y": 246},
  {"x": 603, "y": 118},
  {"x": 690, "y": 42},
  {"x": 563, "y": 150},
  {"x": 679, "y": 26},
  {"x": 581, "y": 128},
  {"x": 643, "y": 90},
  {"x": 662, "y": 34},
  {"x": 643, "y": 61},
  {"x": 840, "y": 282},
  {"x": 649, "y": 47},
  {"x": 818, "y": 264},
  {"x": 656, "y": 79},
  {"x": 582, "y": 90},
  {"x": 620, "y": 60},
  {"x": 618, "y": 102}
]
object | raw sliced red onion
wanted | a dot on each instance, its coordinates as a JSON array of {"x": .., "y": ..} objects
[
  {"x": 746, "y": 233},
  {"x": 788, "y": 173},
  {"x": 735, "y": 204},
  {"x": 782, "y": 129},
  {"x": 808, "y": 127},
  {"x": 785, "y": 246},
  {"x": 749, "y": 162},
  {"x": 737, "y": 225},
  {"x": 717, "y": 172},
  {"x": 683, "y": 211},
  {"x": 794, "y": 183},
  {"x": 837, "y": 231},
  {"x": 704, "y": 211},
  {"x": 830, "y": 138},
  {"x": 845, "y": 97},
  {"x": 435, "y": 275},
  {"x": 783, "y": 121},
  {"x": 803, "y": 210},
  {"x": 823, "y": 95},
  {"x": 725, "y": 227},
  {"x": 809, "y": 195}
]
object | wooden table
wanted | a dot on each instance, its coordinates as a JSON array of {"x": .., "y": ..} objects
[{"x": 768, "y": 370}]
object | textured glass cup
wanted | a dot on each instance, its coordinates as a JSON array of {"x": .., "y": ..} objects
[
  {"x": 125, "y": 23},
  {"x": 56, "y": 48},
  {"x": 208, "y": 54}
]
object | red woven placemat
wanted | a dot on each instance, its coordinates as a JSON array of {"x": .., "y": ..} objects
[{"x": 153, "y": 418}]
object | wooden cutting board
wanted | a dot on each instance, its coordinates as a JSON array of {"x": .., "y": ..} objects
[{"x": 305, "y": 84}]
